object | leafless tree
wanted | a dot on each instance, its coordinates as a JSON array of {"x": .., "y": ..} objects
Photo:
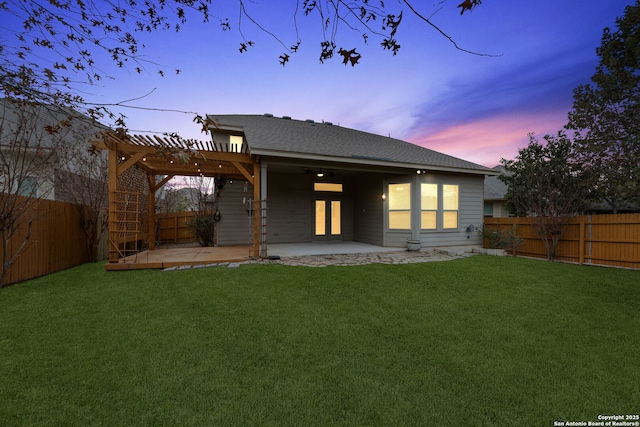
[
  {"x": 27, "y": 149},
  {"x": 82, "y": 179}
]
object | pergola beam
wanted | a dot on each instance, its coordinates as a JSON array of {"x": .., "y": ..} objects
[
  {"x": 244, "y": 172},
  {"x": 165, "y": 156},
  {"x": 130, "y": 162},
  {"x": 159, "y": 185}
]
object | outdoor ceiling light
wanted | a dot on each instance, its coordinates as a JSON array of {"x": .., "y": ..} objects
[{"x": 320, "y": 174}]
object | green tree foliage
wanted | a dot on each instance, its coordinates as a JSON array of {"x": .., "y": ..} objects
[
  {"x": 606, "y": 114},
  {"x": 546, "y": 182}
]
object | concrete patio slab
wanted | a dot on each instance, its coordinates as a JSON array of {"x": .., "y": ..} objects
[{"x": 326, "y": 248}]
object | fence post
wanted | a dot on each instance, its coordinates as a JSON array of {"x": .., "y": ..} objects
[
  {"x": 175, "y": 229},
  {"x": 581, "y": 246}
]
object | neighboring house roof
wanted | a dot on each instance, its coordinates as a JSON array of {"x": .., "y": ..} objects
[
  {"x": 284, "y": 137},
  {"x": 494, "y": 188}
]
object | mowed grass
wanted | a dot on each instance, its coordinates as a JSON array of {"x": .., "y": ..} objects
[{"x": 476, "y": 341}]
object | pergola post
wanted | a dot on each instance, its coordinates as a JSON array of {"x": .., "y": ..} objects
[
  {"x": 152, "y": 211},
  {"x": 113, "y": 188},
  {"x": 257, "y": 210}
]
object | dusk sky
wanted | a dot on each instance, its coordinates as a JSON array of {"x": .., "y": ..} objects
[{"x": 477, "y": 108}]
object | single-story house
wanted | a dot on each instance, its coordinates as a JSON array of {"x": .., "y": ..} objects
[
  {"x": 320, "y": 181},
  {"x": 495, "y": 190}
]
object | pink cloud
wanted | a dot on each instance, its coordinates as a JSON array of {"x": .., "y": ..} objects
[{"x": 488, "y": 140}]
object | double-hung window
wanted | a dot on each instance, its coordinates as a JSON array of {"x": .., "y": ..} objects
[
  {"x": 400, "y": 206},
  {"x": 428, "y": 206},
  {"x": 450, "y": 206}
]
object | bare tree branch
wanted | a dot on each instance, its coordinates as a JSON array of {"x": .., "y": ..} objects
[{"x": 445, "y": 35}]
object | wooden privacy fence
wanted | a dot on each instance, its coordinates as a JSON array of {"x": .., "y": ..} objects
[
  {"x": 57, "y": 242},
  {"x": 612, "y": 240},
  {"x": 172, "y": 227}
]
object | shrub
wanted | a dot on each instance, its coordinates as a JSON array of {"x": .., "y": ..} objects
[
  {"x": 496, "y": 237},
  {"x": 202, "y": 227}
]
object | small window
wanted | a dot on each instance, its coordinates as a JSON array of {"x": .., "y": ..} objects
[
  {"x": 428, "y": 206},
  {"x": 27, "y": 186},
  {"x": 235, "y": 143},
  {"x": 327, "y": 186},
  {"x": 488, "y": 210},
  {"x": 400, "y": 206},
  {"x": 449, "y": 206}
]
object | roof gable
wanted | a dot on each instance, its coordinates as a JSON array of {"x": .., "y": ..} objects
[
  {"x": 494, "y": 187},
  {"x": 268, "y": 135}
]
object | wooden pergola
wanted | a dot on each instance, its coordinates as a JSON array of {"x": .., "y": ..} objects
[{"x": 167, "y": 157}]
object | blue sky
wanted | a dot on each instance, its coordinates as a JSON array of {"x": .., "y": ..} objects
[{"x": 477, "y": 108}]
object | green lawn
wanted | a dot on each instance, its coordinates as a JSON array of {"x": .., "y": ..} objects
[{"x": 477, "y": 341}]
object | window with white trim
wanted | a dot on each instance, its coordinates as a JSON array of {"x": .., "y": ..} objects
[
  {"x": 450, "y": 195},
  {"x": 400, "y": 206},
  {"x": 428, "y": 206}
]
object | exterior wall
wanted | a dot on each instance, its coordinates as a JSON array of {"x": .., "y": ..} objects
[
  {"x": 470, "y": 212},
  {"x": 498, "y": 209},
  {"x": 394, "y": 238},
  {"x": 369, "y": 209},
  {"x": 290, "y": 214},
  {"x": 235, "y": 225},
  {"x": 291, "y": 207},
  {"x": 348, "y": 207},
  {"x": 289, "y": 202}
]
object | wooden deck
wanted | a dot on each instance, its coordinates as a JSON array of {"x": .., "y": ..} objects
[{"x": 176, "y": 257}]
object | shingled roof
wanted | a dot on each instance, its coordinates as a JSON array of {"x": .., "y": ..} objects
[
  {"x": 494, "y": 188},
  {"x": 284, "y": 137}
]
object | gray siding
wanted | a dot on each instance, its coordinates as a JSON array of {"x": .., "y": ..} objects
[
  {"x": 348, "y": 207},
  {"x": 369, "y": 209},
  {"x": 471, "y": 212},
  {"x": 397, "y": 239},
  {"x": 289, "y": 214},
  {"x": 235, "y": 226}
]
